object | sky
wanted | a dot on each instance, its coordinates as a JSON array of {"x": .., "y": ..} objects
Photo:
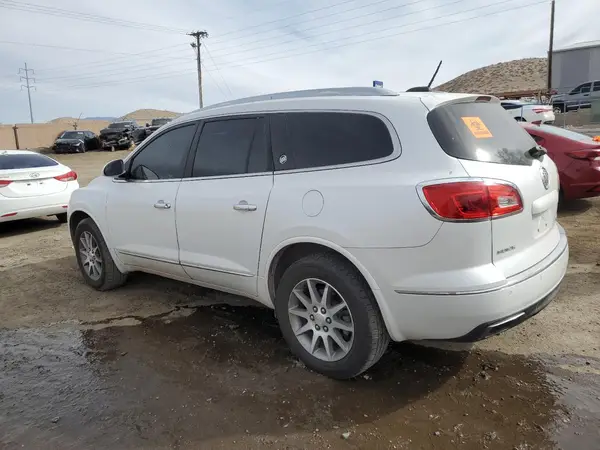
[{"x": 112, "y": 57}]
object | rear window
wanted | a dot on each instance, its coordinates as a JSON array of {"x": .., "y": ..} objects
[
  {"x": 480, "y": 131},
  {"x": 24, "y": 161}
]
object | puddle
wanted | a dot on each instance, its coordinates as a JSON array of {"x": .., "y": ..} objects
[{"x": 222, "y": 377}]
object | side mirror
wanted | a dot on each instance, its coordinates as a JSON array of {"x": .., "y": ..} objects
[{"x": 114, "y": 168}]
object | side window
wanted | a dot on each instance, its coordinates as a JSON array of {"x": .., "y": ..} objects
[
  {"x": 319, "y": 139},
  {"x": 577, "y": 90},
  {"x": 232, "y": 147},
  {"x": 585, "y": 88},
  {"x": 164, "y": 157},
  {"x": 596, "y": 86}
]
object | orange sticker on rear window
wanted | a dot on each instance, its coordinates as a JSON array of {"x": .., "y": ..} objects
[{"x": 477, "y": 127}]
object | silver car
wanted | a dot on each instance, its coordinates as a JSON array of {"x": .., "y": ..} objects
[{"x": 580, "y": 97}]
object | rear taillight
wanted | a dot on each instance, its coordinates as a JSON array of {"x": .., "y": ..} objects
[
  {"x": 471, "y": 200},
  {"x": 589, "y": 155},
  {"x": 4, "y": 183},
  {"x": 541, "y": 110},
  {"x": 69, "y": 176}
]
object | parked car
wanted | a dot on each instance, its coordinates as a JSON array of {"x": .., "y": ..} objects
[
  {"x": 122, "y": 135},
  {"x": 580, "y": 97},
  {"x": 156, "y": 124},
  {"x": 577, "y": 157},
  {"x": 34, "y": 185},
  {"x": 78, "y": 141},
  {"x": 529, "y": 112},
  {"x": 358, "y": 214}
]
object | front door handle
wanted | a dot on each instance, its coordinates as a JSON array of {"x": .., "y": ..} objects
[
  {"x": 161, "y": 204},
  {"x": 244, "y": 206}
]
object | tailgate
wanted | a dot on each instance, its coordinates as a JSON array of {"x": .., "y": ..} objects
[{"x": 490, "y": 144}]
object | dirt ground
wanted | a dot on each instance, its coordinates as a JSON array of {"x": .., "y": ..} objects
[{"x": 159, "y": 364}]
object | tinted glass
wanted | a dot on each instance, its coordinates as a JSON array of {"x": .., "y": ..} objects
[
  {"x": 480, "y": 131},
  {"x": 164, "y": 157},
  {"x": 306, "y": 140},
  {"x": 232, "y": 147},
  {"x": 596, "y": 86},
  {"x": 73, "y": 135},
  {"x": 120, "y": 125},
  {"x": 509, "y": 106},
  {"x": 586, "y": 88},
  {"x": 24, "y": 161}
]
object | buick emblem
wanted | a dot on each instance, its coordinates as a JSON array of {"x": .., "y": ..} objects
[
  {"x": 545, "y": 177},
  {"x": 34, "y": 175}
]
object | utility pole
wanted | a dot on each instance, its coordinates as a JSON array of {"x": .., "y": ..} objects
[
  {"x": 196, "y": 45},
  {"x": 551, "y": 46},
  {"x": 27, "y": 86}
]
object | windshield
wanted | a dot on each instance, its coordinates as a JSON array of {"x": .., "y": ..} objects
[
  {"x": 480, "y": 131},
  {"x": 72, "y": 135},
  {"x": 160, "y": 122},
  {"x": 119, "y": 125},
  {"x": 24, "y": 161}
]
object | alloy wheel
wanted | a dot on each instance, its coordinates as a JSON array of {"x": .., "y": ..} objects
[
  {"x": 91, "y": 258},
  {"x": 321, "y": 320}
]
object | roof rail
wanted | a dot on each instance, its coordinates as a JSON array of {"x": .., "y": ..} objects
[{"x": 329, "y": 92}]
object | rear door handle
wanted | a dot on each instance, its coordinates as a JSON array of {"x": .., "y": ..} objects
[
  {"x": 161, "y": 204},
  {"x": 244, "y": 206}
]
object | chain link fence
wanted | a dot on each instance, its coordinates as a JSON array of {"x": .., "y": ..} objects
[{"x": 583, "y": 116}]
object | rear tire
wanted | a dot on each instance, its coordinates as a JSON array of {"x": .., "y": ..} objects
[
  {"x": 62, "y": 218},
  {"x": 88, "y": 240},
  {"x": 362, "y": 347}
]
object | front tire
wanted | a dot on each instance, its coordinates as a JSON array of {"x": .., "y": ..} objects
[
  {"x": 329, "y": 317},
  {"x": 94, "y": 259}
]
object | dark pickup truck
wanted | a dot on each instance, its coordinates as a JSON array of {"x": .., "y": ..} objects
[
  {"x": 156, "y": 124},
  {"x": 121, "y": 135}
]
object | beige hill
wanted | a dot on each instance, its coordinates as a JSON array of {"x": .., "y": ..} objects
[
  {"x": 141, "y": 116},
  {"x": 513, "y": 76}
]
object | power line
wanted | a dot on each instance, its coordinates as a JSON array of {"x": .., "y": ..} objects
[
  {"x": 110, "y": 61},
  {"x": 217, "y": 68},
  {"x": 290, "y": 52},
  {"x": 291, "y": 55},
  {"x": 58, "y": 12},
  {"x": 27, "y": 86},
  {"x": 385, "y": 19},
  {"x": 313, "y": 19},
  {"x": 214, "y": 81}
]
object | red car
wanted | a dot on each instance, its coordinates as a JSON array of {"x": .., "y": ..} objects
[{"x": 576, "y": 155}]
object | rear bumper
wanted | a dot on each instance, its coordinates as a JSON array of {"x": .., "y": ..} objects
[
  {"x": 29, "y": 207},
  {"x": 580, "y": 180},
  {"x": 475, "y": 314}
]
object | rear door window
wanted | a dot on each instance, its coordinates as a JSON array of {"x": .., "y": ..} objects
[
  {"x": 306, "y": 140},
  {"x": 480, "y": 131},
  {"x": 24, "y": 161},
  {"x": 234, "y": 146}
]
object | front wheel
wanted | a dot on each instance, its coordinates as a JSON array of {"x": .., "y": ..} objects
[
  {"x": 329, "y": 317},
  {"x": 94, "y": 259}
]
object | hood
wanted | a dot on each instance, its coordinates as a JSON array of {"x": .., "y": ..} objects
[{"x": 68, "y": 141}]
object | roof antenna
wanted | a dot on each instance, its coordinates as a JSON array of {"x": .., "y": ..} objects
[{"x": 426, "y": 88}]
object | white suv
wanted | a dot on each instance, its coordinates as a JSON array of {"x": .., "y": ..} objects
[{"x": 358, "y": 214}]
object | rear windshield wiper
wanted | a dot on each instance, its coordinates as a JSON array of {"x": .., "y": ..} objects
[{"x": 537, "y": 152}]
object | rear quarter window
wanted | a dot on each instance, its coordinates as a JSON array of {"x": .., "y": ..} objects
[
  {"x": 480, "y": 131},
  {"x": 304, "y": 140},
  {"x": 24, "y": 161}
]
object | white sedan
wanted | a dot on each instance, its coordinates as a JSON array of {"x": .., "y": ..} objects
[
  {"x": 34, "y": 185},
  {"x": 529, "y": 112}
]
